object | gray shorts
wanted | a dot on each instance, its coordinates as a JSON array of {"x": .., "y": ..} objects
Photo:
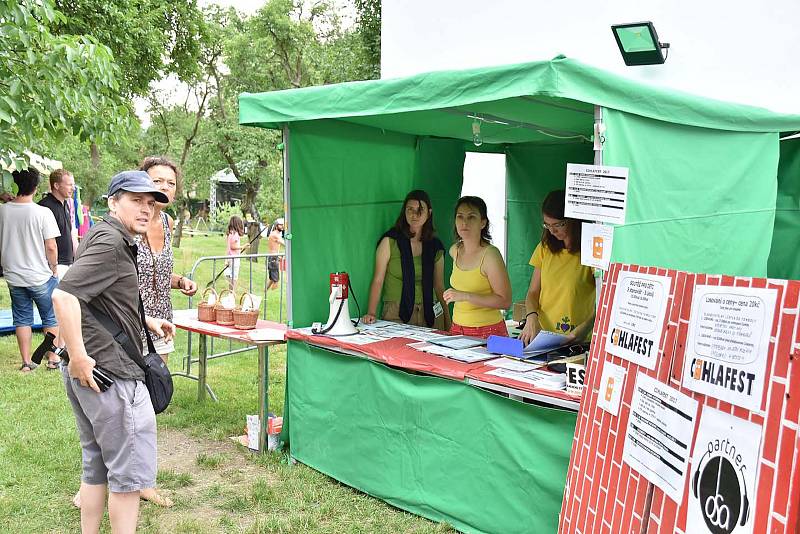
[{"x": 117, "y": 429}]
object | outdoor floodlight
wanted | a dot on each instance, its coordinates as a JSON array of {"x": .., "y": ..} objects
[{"x": 638, "y": 43}]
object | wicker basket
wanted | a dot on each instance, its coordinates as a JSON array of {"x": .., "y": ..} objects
[
  {"x": 205, "y": 311},
  {"x": 224, "y": 315},
  {"x": 245, "y": 320}
]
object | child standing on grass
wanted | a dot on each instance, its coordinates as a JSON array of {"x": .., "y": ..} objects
[{"x": 235, "y": 233}]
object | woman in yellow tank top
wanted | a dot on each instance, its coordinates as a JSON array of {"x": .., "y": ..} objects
[
  {"x": 480, "y": 287},
  {"x": 561, "y": 296}
]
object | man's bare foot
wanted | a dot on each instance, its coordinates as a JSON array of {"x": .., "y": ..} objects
[{"x": 152, "y": 495}]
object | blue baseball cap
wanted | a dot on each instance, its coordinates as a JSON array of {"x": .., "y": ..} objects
[{"x": 136, "y": 182}]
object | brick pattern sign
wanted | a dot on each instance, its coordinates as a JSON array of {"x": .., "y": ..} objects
[{"x": 604, "y": 495}]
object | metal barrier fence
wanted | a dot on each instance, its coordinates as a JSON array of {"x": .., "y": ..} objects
[{"x": 247, "y": 267}]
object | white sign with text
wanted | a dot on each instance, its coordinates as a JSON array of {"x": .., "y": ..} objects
[
  {"x": 596, "y": 193},
  {"x": 728, "y": 342},
  {"x": 637, "y": 318},
  {"x": 722, "y": 483},
  {"x": 659, "y": 434}
]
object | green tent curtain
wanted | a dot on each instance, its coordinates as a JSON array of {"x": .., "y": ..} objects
[
  {"x": 784, "y": 257},
  {"x": 436, "y": 447},
  {"x": 698, "y": 200},
  {"x": 532, "y": 171},
  {"x": 347, "y": 186}
]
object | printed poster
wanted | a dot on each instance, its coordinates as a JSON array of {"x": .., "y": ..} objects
[
  {"x": 728, "y": 342},
  {"x": 596, "y": 241},
  {"x": 637, "y": 318},
  {"x": 659, "y": 435},
  {"x": 596, "y": 193},
  {"x": 611, "y": 383},
  {"x": 722, "y": 483}
]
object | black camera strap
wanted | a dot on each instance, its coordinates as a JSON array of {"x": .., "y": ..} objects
[{"x": 122, "y": 338}]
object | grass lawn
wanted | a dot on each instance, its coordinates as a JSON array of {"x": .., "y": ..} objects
[{"x": 217, "y": 486}]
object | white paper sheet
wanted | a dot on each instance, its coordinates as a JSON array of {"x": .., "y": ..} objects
[
  {"x": 514, "y": 365},
  {"x": 728, "y": 343},
  {"x": 545, "y": 341},
  {"x": 659, "y": 434}
]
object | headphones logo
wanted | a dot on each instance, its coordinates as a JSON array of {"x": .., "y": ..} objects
[{"x": 721, "y": 493}]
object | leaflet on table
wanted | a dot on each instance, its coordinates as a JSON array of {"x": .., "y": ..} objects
[
  {"x": 355, "y": 339},
  {"x": 637, "y": 317},
  {"x": 545, "y": 341},
  {"x": 659, "y": 434},
  {"x": 728, "y": 343},
  {"x": 537, "y": 378},
  {"x": 459, "y": 342},
  {"x": 388, "y": 330},
  {"x": 514, "y": 365},
  {"x": 463, "y": 355}
]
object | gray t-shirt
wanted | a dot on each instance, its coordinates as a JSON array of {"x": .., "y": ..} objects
[
  {"x": 104, "y": 274},
  {"x": 23, "y": 229}
]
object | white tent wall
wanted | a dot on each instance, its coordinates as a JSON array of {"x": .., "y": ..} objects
[{"x": 734, "y": 50}]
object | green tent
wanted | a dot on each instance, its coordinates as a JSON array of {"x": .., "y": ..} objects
[{"x": 711, "y": 187}]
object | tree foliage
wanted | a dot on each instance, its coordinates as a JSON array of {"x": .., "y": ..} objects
[
  {"x": 149, "y": 38},
  {"x": 51, "y": 85}
]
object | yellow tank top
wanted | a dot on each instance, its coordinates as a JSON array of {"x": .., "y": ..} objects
[{"x": 473, "y": 281}]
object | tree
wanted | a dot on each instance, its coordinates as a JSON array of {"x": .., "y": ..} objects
[
  {"x": 52, "y": 86},
  {"x": 150, "y": 39},
  {"x": 284, "y": 45},
  {"x": 369, "y": 31}
]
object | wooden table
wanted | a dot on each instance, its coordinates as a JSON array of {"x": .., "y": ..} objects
[{"x": 265, "y": 334}]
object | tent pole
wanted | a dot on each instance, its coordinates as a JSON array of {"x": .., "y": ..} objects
[
  {"x": 598, "y": 160},
  {"x": 287, "y": 213}
]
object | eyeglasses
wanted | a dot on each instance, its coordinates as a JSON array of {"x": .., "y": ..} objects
[{"x": 554, "y": 226}]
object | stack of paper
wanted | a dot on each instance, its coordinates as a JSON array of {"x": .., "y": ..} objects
[{"x": 463, "y": 355}]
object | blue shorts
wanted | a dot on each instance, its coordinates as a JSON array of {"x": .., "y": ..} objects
[{"x": 22, "y": 299}]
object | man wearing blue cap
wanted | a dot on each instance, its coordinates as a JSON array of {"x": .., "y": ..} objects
[{"x": 117, "y": 426}]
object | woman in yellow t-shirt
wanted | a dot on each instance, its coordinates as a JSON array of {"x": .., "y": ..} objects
[
  {"x": 561, "y": 296},
  {"x": 479, "y": 283}
]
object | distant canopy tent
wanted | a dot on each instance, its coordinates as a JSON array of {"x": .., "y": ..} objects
[{"x": 706, "y": 177}]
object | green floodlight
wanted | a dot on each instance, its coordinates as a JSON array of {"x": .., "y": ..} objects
[{"x": 638, "y": 43}]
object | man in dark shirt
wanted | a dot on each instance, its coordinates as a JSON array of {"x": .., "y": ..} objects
[
  {"x": 117, "y": 427},
  {"x": 62, "y": 185}
]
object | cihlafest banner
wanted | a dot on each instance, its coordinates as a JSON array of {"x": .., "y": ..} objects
[{"x": 688, "y": 422}]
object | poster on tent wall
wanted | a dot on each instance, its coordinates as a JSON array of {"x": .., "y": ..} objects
[
  {"x": 659, "y": 434},
  {"x": 722, "y": 484},
  {"x": 728, "y": 342},
  {"x": 596, "y": 242},
  {"x": 596, "y": 193},
  {"x": 637, "y": 320}
]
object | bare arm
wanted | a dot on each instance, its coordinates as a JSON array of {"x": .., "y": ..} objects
[
  {"x": 68, "y": 314},
  {"x": 583, "y": 329},
  {"x": 51, "y": 251},
  {"x": 438, "y": 287},
  {"x": 532, "y": 326},
  {"x": 382, "y": 255}
]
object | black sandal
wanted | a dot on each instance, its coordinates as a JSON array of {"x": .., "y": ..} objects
[
  {"x": 52, "y": 365},
  {"x": 28, "y": 367}
]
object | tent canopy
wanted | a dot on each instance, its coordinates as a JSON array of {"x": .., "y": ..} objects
[
  {"x": 553, "y": 96},
  {"x": 704, "y": 182}
]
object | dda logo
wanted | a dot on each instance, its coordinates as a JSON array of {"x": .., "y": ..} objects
[{"x": 719, "y": 486}]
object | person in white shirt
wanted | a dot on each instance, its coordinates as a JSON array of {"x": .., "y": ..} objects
[{"x": 29, "y": 256}]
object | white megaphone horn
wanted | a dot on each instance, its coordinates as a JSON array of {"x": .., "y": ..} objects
[{"x": 339, "y": 322}]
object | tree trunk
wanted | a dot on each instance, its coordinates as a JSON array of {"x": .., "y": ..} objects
[{"x": 177, "y": 232}]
